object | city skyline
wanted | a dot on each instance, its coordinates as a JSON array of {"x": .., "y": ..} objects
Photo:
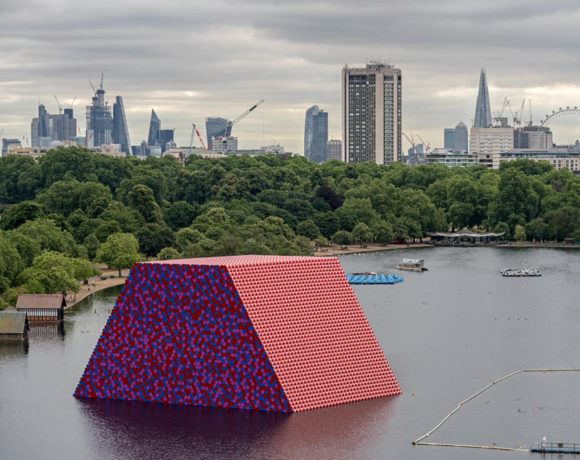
[{"x": 277, "y": 53}]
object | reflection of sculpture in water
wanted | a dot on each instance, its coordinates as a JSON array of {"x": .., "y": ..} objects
[{"x": 176, "y": 431}]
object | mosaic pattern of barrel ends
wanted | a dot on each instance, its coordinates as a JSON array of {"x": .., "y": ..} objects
[{"x": 180, "y": 333}]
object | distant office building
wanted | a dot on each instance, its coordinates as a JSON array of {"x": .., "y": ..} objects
[
  {"x": 216, "y": 127},
  {"x": 449, "y": 138},
  {"x": 63, "y": 127},
  {"x": 34, "y": 133},
  {"x": 488, "y": 143},
  {"x": 334, "y": 150},
  {"x": 120, "y": 130},
  {"x": 559, "y": 158},
  {"x": 276, "y": 149},
  {"x": 482, "y": 107},
  {"x": 99, "y": 121},
  {"x": 225, "y": 144},
  {"x": 166, "y": 136},
  {"x": 372, "y": 113},
  {"x": 316, "y": 134},
  {"x": 461, "y": 137},
  {"x": 6, "y": 143},
  {"x": 43, "y": 121},
  {"x": 533, "y": 137},
  {"x": 456, "y": 138},
  {"x": 452, "y": 158},
  {"x": 416, "y": 155},
  {"x": 154, "y": 128}
]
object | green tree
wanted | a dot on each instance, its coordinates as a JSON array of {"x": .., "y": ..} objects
[
  {"x": 342, "y": 237},
  {"x": 383, "y": 233},
  {"x": 10, "y": 263},
  {"x": 142, "y": 200},
  {"x": 20, "y": 213},
  {"x": 53, "y": 272},
  {"x": 168, "y": 254},
  {"x": 362, "y": 233},
  {"x": 179, "y": 214},
  {"x": 154, "y": 237},
  {"x": 536, "y": 229},
  {"x": 35, "y": 236},
  {"x": 308, "y": 229},
  {"x": 519, "y": 233},
  {"x": 563, "y": 223},
  {"x": 121, "y": 250}
]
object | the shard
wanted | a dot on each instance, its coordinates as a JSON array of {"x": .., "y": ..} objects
[{"x": 483, "y": 108}]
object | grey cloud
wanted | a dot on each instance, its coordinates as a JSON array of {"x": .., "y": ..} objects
[{"x": 229, "y": 53}]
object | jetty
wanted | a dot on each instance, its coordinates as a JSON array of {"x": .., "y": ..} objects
[{"x": 556, "y": 448}]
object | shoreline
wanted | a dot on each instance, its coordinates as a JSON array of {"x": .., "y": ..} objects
[
  {"x": 337, "y": 251},
  {"x": 87, "y": 290}
]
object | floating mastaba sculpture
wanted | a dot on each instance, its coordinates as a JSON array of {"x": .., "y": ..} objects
[{"x": 268, "y": 333}]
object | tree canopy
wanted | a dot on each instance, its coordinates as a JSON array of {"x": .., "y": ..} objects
[{"x": 117, "y": 210}]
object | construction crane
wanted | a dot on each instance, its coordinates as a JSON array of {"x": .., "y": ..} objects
[
  {"x": 195, "y": 132},
  {"x": 72, "y": 103},
  {"x": 411, "y": 140},
  {"x": 100, "y": 83},
  {"x": 426, "y": 145},
  {"x": 243, "y": 115},
  {"x": 58, "y": 104}
]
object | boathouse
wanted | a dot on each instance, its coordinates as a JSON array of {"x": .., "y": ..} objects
[
  {"x": 270, "y": 333},
  {"x": 42, "y": 308},
  {"x": 13, "y": 327},
  {"x": 464, "y": 238}
]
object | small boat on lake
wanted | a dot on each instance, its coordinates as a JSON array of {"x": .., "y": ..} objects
[
  {"x": 412, "y": 265},
  {"x": 518, "y": 272},
  {"x": 373, "y": 278}
]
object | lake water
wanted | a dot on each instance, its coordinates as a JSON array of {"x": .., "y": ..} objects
[{"x": 446, "y": 332}]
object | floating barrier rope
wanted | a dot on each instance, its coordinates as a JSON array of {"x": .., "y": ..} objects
[{"x": 419, "y": 441}]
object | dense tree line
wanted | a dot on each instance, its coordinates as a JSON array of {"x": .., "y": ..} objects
[{"x": 73, "y": 206}]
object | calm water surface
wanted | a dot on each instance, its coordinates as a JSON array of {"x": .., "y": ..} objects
[{"x": 446, "y": 332}]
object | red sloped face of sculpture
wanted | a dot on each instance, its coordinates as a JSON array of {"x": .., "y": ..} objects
[{"x": 250, "y": 332}]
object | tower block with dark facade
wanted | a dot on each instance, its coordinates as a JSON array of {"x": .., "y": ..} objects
[{"x": 269, "y": 333}]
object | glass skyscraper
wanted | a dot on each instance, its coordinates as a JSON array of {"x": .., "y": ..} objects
[
  {"x": 165, "y": 136},
  {"x": 456, "y": 138},
  {"x": 154, "y": 128},
  {"x": 120, "y": 130},
  {"x": 216, "y": 127},
  {"x": 482, "y": 107},
  {"x": 316, "y": 134}
]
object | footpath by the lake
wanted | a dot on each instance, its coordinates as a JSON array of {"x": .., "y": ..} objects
[
  {"x": 340, "y": 251},
  {"x": 107, "y": 279}
]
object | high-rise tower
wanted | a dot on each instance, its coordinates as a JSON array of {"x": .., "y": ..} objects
[
  {"x": 99, "y": 120},
  {"x": 315, "y": 134},
  {"x": 482, "y": 108},
  {"x": 216, "y": 127},
  {"x": 154, "y": 128},
  {"x": 120, "y": 130},
  {"x": 372, "y": 113}
]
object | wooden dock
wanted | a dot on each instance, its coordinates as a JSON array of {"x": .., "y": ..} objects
[{"x": 556, "y": 448}]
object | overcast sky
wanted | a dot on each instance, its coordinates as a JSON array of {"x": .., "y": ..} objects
[{"x": 193, "y": 59}]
